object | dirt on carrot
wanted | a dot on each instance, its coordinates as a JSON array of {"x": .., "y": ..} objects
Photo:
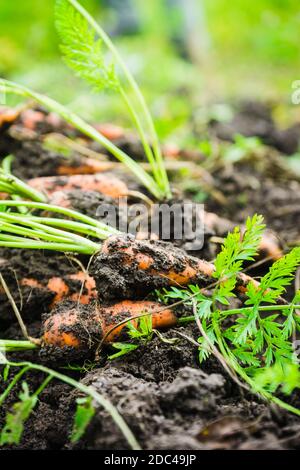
[
  {"x": 130, "y": 268},
  {"x": 104, "y": 183},
  {"x": 38, "y": 280},
  {"x": 71, "y": 328}
]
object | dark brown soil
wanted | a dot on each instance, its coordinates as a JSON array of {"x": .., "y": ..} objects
[
  {"x": 250, "y": 190},
  {"x": 167, "y": 399},
  {"x": 168, "y": 402},
  {"x": 254, "y": 119}
]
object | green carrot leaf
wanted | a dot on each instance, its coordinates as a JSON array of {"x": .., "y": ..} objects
[
  {"x": 83, "y": 416},
  {"x": 82, "y": 51}
]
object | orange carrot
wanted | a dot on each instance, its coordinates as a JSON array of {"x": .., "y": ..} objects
[
  {"x": 269, "y": 245},
  {"x": 88, "y": 166},
  {"x": 8, "y": 115},
  {"x": 104, "y": 183},
  {"x": 70, "y": 326},
  {"x": 131, "y": 268},
  {"x": 58, "y": 330},
  {"x": 110, "y": 131},
  {"x": 60, "y": 288},
  {"x": 112, "y": 315}
]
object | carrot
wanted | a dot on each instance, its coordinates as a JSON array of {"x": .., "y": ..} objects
[
  {"x": 8, "y": 116},
  {"x": 60, "y": 330},
  {"x": 61, "y": 288},
  {"x": 110, "y": 131},
  {"x": 70, "y": 326},
  {"x": 88, "y": 166},
  {"x": 113, "y": 315},
  {"x": 130, "y": 268},
  {"x": 61, "y": 199},
  {"x": 270, "y": 245},
  {"x": 30, "y": 118},
  {"x": 104, "y": 183}
]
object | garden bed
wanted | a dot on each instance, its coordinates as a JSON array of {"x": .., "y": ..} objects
[{"x": 167, "y": 399}]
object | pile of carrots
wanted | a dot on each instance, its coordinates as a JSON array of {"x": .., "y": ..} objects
[
  {"x": 68, "y": 328},
  {"x": 140, "y": 266}
]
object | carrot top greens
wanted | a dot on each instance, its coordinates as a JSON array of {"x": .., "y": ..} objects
[
  {"x": 258, "y": 335},
  {"x": 48, "y": 233}
]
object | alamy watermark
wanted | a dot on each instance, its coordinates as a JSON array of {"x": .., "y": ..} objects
[{"x": 178, "y": 221}]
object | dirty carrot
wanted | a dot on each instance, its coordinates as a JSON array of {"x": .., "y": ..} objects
[
  {"x": 68, "y": 287},
  {"x": 70, "y": 326},
  {"x": 131, "y": 268},
  {"x": 123, "y": 267},
  {"x": 8, "y": 116},
  {"x": 87, "y": 166},
  {"x": 104, "y": 183},
  {"x": 269, "y": 245}
]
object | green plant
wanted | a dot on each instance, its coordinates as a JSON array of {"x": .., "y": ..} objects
[
  {"x": 285, "y": 377},
  {"x": 37, "y": 232},
  {"x": 82, "y": 43},
  {"x": 255, "y": 335},
  {"x": 142, "y": 332},
  {"x": 12, "y": 185},
  {"x": 21, "y": 411}
]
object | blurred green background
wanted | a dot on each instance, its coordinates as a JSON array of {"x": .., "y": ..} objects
[{"x": 209, "y": 51}]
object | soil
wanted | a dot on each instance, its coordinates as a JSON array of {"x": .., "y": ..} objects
[
  {"x": 254, "y": 119},
  {"x": 168, "y": 400}
]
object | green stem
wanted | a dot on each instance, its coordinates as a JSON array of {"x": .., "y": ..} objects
[
  {"x": 32, "y": 245},
  {"x": 11, "y": 228},
  {"x": 236, "y": 311},
  {"x": 67, "y": 212},
  {"x": 20, "y": 188},
  {"x": 44, "y": 232},
  {"x": 132, "y": 82},
  {"x": 263, "y": 308},
  {"x": 43, "y": 385},
  {"x": 76, "y": 121},
  {"x": 13, "y": 345},
  {"x": 76, "y": 226},
  {"x": 143, "y": 138},
  {"x": 7, "y": 163},
  {"x": 15, "y": 380}
]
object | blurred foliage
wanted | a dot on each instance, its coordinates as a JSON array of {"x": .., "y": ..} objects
[{"x": 252, "y": 49}]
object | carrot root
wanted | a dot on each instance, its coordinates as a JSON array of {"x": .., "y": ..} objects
[
  {"x": 69, "y": 326},
  {"x": 103, "y": 183}
]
